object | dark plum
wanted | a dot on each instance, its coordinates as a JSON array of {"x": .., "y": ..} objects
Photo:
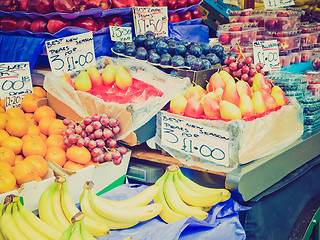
[
  {"x": 206, "y": 63},
  {"x": 169, "y": 40},
  {"x": 195, "y": 50},
  {"x": 130, "y": 51},
  {"x": 174, "y": 73},
  {"x": 165, "y": 59},
  {"x": 172, "y": 48},
  {"x": 189, "y": 59},
  {"x": 197, "y": 65},
  {"x": 150, "y": 35},
  {"x": 213, "y": 58},
  {"x": 119, "y": 47},
  {"x": 149, "y": 44},
  {"x": 141, "y": 53},
  {"x": 205, "y": 48},
  {"x": 218, "y": 50},
  {"x": 139, "y": 40},
  {"x": 162, "y": 48},
  {"x": 177, "y": 61},
  {"x": 154, "y": 57},
  {"x": 159, "y": 39},
  {"x": 180, "y": 50}
]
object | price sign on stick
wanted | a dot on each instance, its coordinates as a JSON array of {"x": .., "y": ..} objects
[
  {"x": 71, "y": 53},
  {"x": 207, "y": 143},
  {"x": 269, "y": 4},
  {"x": 15, "y": 82},
  {"x": 121, "y": 34},
  {"x": 267, "y": 52},
  {"x": 154, "y": 19}
]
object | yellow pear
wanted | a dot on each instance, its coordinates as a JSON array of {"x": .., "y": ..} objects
[
  {"x": 178, "y": 104},
  {"x": 279, "y": 95},
  {"x": 109, "y": 74},
  {"x": 225, "y": 76},
  {"x": 246, "y": 106},
  {"x": 258, "y": 102},
  {"x": 123, "y": 78},
  {"x": 83, "y": 82},
  {"x": 229, "y": 110},
  {"x": 95, "y": 76}
]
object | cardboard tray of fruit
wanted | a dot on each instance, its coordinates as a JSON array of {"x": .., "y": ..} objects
[{"x": 76, "y": 104}]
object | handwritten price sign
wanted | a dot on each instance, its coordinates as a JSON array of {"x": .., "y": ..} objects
[
  {"x": 267, "y": 52},
  {"x": 121, "y": 34},
  {"x": 269, "y": 4},
  {"x": 201, "y": 141},
  {"x": 71, "y": 53},
  {"x": 154, "y": 19}
]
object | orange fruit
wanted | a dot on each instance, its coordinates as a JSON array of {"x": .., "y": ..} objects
[
  {"x": 3, "y": 103},
  {"x": 30, "y": 118},
  {"x": 34, "y": 147},
  {"x": 29, "y": 102},
  {"x": 3, "y": 135},
  {"x": 44, "y": 124},
  {"x": 2, "y": 110},
  {"x": 79, "y": 155},
  {"x": 17, "y": 127},
  {"x": 24, "y": 172},
  {"x": 15, "y": 112},
  {"x": 3, "y": 120},
  {"x": 70, "y": 165},
  {"x": 7, "y": 182},
  {"x": 7, "y": 155},
  {"x": 40, "y": 92},
  {"x": 31, "y": 137},
  {"x": 44, "y": 111},
  {"x": 18, "y": 158},
  {"x": 57, "y": 155},
  {"x": 5, "y": 167},
  {"x": 39, "y": 163},
  {"x": 56, "y": 127},
  {"x": 55, "y": 140},
  {"x": 33, "y": 129},
  {"x": 13, "y": 143},
  {"x": 43, "y": 137},
  {"x": 91, "y": 163}
]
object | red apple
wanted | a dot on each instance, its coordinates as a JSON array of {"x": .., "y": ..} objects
[
  {"x": 185, "y": 16},
  {"x": 196, "y": 13},
  {"x": 174, "y": 18},
  {"x": 194, "y": 108},
  {"x": 9, "y": 5},
  {"x": 57, "y": 23},
  {"x": 132, "y": 3},
  {"x": 23, "y": 5},
  {"x": 80, "y": 5},
  {"x": 64, "y": 6},
  {"x": 9, "y": 24},
  {"x": 44, "y": 6},
  {"x": 105, "y": 4},
  {"x": 114, "y": 20},
  {"x": 193, "y": 2},
  {"x": 101, "y": 23},
  {"x": 182, "y": 3},
  {"x": 119, "y": 4},
  {"x": 39, "y": 25},
  {"x": 146, "y": 3},
  {"x": 172, "y": 5},
  {"x": 160, "y": 3},
  {"x": 86, "y": 22},
  {"x": 31, "y": 6},
  {"x": 92, "y": 3},
  {"x": 24, "y": 23}
]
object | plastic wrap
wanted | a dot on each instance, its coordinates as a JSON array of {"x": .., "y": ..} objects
[
  {"x": 77, "y": 104},
  {"x": 249, "y": 140}
]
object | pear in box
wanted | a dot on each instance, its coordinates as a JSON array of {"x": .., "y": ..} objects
[
  {"x": 210, "y": 105},
  {"x": 244, "y": 88},
  {"x": 231, "y": 93},
  {"x": 215, "y": 82},
  {"x": 83, "y": 82},
  {"x": 225, "y": 76},
  {"x": 279, "y": 95},
  {"x": 260, "y": 82},
  {"x": 193, "y": 108},
  {"x": 229, "y": 110},
  {"x": 268, "y": 99},
  {"x": 66, "y": 77},
  {"x": 95, "y": 76},
  {"x": 246, "y": 106},
  {"x": 123, "y": 78},
  {"x": 258, "y": 102},
  {"x": 109, "y": 74},
  {"x": 178, "y": 104}
]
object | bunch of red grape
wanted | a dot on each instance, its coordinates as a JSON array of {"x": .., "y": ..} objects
[
  {"x": 96, "y": 133},
  {"x": 242, "y": 68}
]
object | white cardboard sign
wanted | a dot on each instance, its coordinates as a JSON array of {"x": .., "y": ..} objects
[
  {"x": 154, "y": 19},
  {"x": 201, "y": 141},
  {"x": 270, "y": 4},
  {"x": 121, "y": 34},
  {"x": 267, "y": 52},
  {"x": 72, "y": 53}
]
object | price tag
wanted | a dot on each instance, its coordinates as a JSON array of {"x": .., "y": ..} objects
[
  {"x": 154, "y": 19},
  {"x": 267, "y": 52},
  {"x": 15, "y": 82},
  {"x": 71, "y": 53},
  {"x": 269, "y": 4},
  {"x": 121, "y": 34},
  {"x": 195, "y": 139}
]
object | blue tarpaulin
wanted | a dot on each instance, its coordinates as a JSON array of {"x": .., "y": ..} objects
[{"x": 221, "y": 224}]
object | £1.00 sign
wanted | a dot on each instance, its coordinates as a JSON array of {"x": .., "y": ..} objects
[
  {"x": 267, "y": 52},
  {"x": 71, "y": 53},
  {"x": 15, "y": 82},
  {"x": 191, "y": 138}
]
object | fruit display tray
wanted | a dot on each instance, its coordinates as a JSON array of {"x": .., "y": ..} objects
[{"x": 273, "y": 23}]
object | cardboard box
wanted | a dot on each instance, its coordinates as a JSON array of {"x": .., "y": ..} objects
[
  {"x": 31, "y": 191},
  {"x": 105, "y": 176}
]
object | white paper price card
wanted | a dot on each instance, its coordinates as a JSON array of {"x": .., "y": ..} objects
[
  {"x": 267, "y": 52},
  {"x": 154, "y": 19},
  {"x": 15, "y": 82},
  {"x": 121, "y": 34},
  {"x": 72, "y": 53},
  {"x": 205, "y": 142},
  {"x": 269, "y": 4}
]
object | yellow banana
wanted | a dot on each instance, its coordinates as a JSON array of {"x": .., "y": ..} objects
[
  {"x": 45, "y": 210},
  {"x": 76, "y": 234},
  {"x": 56, "y": 206},
  {"x": 69, "y": 208},
  {"x": 140, "y": 199},
  {"x": 67, "y": 233},
  {"x": 9, "y": 227},
  {"x": 29, "y": 232},
  {"x": 195, "y": 198},
  {"x": 175, "y": 202},
  {"x": 202, "y": 189},
  {"x": 129, "y": 215},
  {"x": 167, "y": 214},
  {"x": 89, "y": 212},
  {"x": 39, "y": 225},
  {"x": 86, "y": 235},
  {"x": 1, "y": 209}
]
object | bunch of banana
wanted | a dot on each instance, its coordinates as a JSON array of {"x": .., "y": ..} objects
[
  {"x": 77, "y": 229},
  {"x": 56, "y": 208},
  {"x": 181, "y": 197},
  {"x": 18, "y": 222},
  {"x": 119, "y": 214}
]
